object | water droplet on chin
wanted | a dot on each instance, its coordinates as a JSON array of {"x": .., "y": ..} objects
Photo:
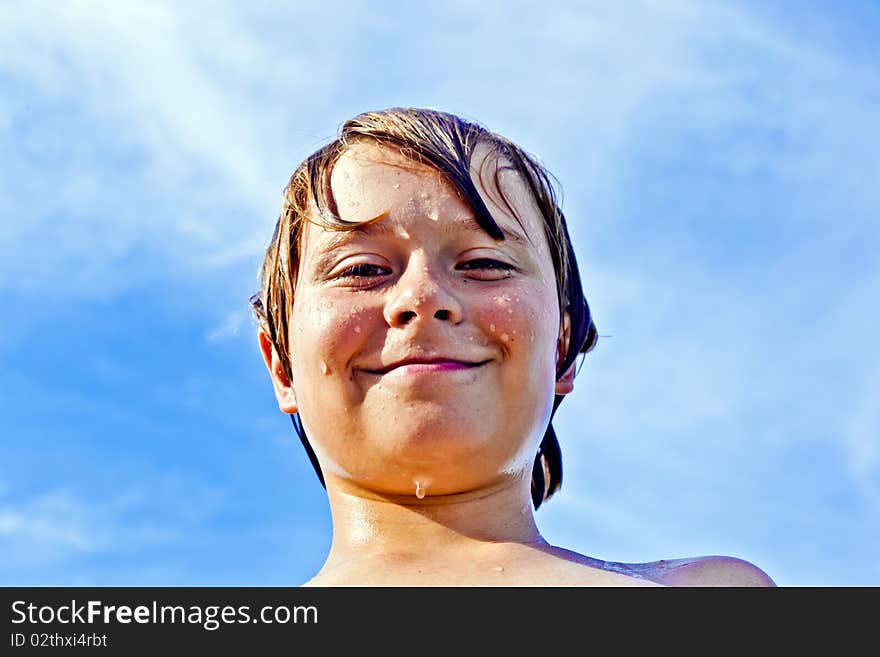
[
  {"x": 498, "y": 569},
  {"x": 324, "y": 368},
  {"x": 420, "y": 490}
]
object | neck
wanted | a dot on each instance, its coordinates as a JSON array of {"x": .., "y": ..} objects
[{"x": 434, "y": 528}]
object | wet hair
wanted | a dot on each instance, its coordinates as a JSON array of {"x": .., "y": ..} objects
[{"x": 447, "y": 143}]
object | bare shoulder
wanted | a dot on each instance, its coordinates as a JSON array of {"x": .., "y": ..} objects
[{"x": 704, "y": 571}]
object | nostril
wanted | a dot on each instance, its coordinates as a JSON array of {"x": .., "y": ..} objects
[
  {"x": 442, "y": 314},
  {"x": 406, "y": 316}
]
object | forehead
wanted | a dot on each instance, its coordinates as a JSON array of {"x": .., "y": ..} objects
[
  {"x": 370, "y": 181},
  {"x": 367, "y": 161}
]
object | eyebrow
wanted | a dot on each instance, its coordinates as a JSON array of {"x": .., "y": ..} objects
[{"x": 381, "y": 228}]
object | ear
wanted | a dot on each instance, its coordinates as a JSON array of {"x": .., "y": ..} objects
[
  {"x": 566, "y": 383},
  {"x": 283, "y": 386}
]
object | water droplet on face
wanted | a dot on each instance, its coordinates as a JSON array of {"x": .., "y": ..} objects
[
  {"x": 328, "y": 305},
  {"x": 492, "y": 328},
  {"x": 324, "y": 368},
  {"x": 396, "y": 185},
  {"x": 420, "y": 490},
  {"x": 432, "y": 214},
  {"x": 498, "y": 569},
  {"x": 504, "y": 337},
  {"x": 357, "y": 329}
]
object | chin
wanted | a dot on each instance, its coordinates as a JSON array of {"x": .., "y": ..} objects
[
  {"x": 437, "y": 438},
  {"x": 455, "y": 458}
]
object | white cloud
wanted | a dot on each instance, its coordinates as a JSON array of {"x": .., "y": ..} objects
[
  {"x": 230, "y": 326},
  {"x": 41, "y": 531},
  {"x": 136, "y": 136},
  {"x": 51, "y": 521},
  {"x": 167, "y": 127},
  {"x": 862, "y": 439}
]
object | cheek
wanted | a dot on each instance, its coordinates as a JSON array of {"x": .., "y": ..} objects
[
  {"x": 522, "y": 318},
  {"x": 325, "y": 333}
]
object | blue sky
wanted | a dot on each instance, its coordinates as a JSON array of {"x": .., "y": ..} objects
[{"x": 719, "y": 170}]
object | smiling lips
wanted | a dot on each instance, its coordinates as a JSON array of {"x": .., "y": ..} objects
[{"x": 417, "y": 366}]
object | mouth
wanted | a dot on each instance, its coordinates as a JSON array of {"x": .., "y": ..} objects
[{"x": 416, "y": 365}]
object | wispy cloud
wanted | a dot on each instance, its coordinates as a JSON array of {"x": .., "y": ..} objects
[
  {"x": 863, "y": 443},
  {"x": 44, "y": 531},
  {"x": 53, "y": 522},
  {"x": 230, "y": 327},
  {"x": 134, "y": 134},
  {"x": 180, "y": 135}
]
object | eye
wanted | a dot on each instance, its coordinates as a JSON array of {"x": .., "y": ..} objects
[
  {"x": 363, "y": 270},
  {"x": 489, "y": 265}
]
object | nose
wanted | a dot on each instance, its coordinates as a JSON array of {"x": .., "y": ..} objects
[{"x": 421, "y": 294}]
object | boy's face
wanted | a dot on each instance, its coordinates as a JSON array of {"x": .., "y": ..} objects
[{"x": 421, "y": 348}]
